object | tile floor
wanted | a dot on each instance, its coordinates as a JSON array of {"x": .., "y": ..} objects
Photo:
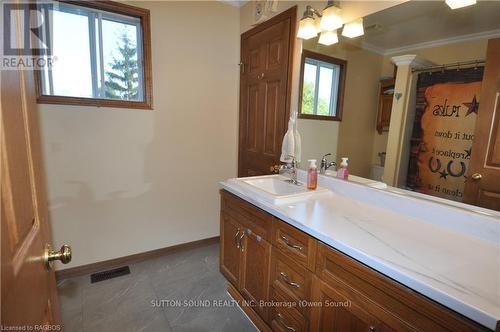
[{"x": 125, "y": 303}]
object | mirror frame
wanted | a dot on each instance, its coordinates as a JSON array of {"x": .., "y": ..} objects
[{"x": 340, "y": 92}]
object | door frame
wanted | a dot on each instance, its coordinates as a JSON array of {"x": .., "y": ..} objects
[
  {"x": 486, "y": 130},
  {"x": 291, "y": 14}
]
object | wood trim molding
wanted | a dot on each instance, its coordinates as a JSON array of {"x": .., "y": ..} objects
[
  {"x": 341, "y": 88},
  {"x": 119, "y": 8},
  {"x": 135, "y": 258}
]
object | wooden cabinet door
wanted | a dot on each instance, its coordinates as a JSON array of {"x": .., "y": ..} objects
[
  {"x": 384, "y": 115},
  {"x": 338, "y": 313},
  {"x": 483, "y": 182},
  {"x": 384, "y": 105},
  {"x": 28, "y": 288},
  {"x": 255, "y": 271},
  {"x": 265, "y": 81},
  {"x": 230, "y": 253}
]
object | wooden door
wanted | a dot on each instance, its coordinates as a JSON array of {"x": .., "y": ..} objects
[
  {"x": 230, "y": 253},
  {"x": 483, "y": 183},
  {"x": 28, "y": 289},
  {"x": 265, "y": 83},
  {"x": 255, "y": 271},
  {"x": 338, "y": 313}
]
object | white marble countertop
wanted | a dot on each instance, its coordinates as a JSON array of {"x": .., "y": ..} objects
[{"x": 450, "y": 255}]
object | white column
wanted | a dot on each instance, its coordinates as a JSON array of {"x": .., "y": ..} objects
[{"x": 402, "y": 117}]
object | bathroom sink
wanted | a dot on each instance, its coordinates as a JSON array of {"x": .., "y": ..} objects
[{"x": 276, "y": 189}]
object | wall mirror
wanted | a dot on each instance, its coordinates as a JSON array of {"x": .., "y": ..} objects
[
  {"x": 322, "y": 81},
  {"x": 425, "y": 152}
]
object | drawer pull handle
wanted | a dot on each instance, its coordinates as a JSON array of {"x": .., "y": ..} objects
[
  {"x": 290, "y": 244},
  {"x": 286, "y": 279},
  {"x": 372, "y": 328},
  {"x": 236, "y": 239},
  {"x": 281, "y": 320}
]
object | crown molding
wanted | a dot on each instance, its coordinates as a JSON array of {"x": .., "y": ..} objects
[
  {"x": 372, "y": 48},
  {"x": 414, "y": 61},
  {"x": 433, "y": 43},
  {"x": 445, "y": 41}
]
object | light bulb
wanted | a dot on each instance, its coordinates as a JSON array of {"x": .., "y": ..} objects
[
  {"x": 331, "y": 19},
  {"x": 307, "y": 28},
  {"x": 328, "y": 37},
  {"x": 353, "y": 29}
]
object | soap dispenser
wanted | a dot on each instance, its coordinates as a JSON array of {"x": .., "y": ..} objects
[
  {"x": 312, "y": 175},
  {"x": 343, "y": 172}
]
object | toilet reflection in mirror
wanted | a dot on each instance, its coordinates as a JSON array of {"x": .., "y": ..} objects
[{"x": 365, "y": 97}]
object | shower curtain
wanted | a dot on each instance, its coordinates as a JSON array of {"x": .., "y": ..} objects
[{"x": 446, "y": 109}]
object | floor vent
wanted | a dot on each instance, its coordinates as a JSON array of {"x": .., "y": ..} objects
[{"x": 109, "y": 274}]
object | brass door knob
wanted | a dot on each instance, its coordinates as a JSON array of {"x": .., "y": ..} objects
[
  {"x": 50, "y": 255},
  {"x": 476, "y": 176},
  {"x": 274, "y": 168}
]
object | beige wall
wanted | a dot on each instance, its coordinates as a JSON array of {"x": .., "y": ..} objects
[
  {"x": 457, "y": 52},
  {"x": 318, "y": 138},
  {"x": 127, "y": 181},
  {"x": 360, "y": 111}
]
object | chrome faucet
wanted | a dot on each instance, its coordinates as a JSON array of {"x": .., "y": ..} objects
[
  {"x": 325, "y": 164},
  {"x": 290, "y": 168}
]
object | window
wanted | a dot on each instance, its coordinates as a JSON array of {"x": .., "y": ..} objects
[
  {"x": 102, "y": 55},
  {"x": 322, "y": 86}
]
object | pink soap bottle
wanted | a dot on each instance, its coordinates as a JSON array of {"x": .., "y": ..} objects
[
  {"x": 312, "y": 175},
  {"x": 343, "y": 172}
]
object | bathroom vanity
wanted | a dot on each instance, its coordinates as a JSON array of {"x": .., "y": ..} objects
[{"x": 343, "y": 259}]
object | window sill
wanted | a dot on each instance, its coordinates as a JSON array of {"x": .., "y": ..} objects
[
  {"x": 78, "y": 101},
  {"x": 319, "y": 117}
]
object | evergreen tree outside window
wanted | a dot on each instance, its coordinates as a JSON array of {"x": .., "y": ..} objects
[{"x": 122, "y": 73}]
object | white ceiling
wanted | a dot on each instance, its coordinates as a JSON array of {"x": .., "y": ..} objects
[{"x": 418, "y": 23}]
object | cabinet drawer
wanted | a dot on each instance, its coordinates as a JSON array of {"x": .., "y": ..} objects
[
  {"x": 342, "y": 310},
  {"x": 293, "y": 280},
  {"x": 295, "y": 244},
  {"x": 284, "y": 318},
  {"x": 397, "y": 306},
  {"x": 250, "y": 216}
]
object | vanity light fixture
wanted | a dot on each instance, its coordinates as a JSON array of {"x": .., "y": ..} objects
[
  {"x": 332, "y": 18},
  {"x": 328, "y": 37},
  {"x": 354, "y": 28},
  {"x": 307, "y": 25},
  {"x": 454, "y": 4}
]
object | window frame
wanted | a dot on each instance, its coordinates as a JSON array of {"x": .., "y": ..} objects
[
  {"x": 306, "y": 54},
  {"x": 147, "y": 75}
]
